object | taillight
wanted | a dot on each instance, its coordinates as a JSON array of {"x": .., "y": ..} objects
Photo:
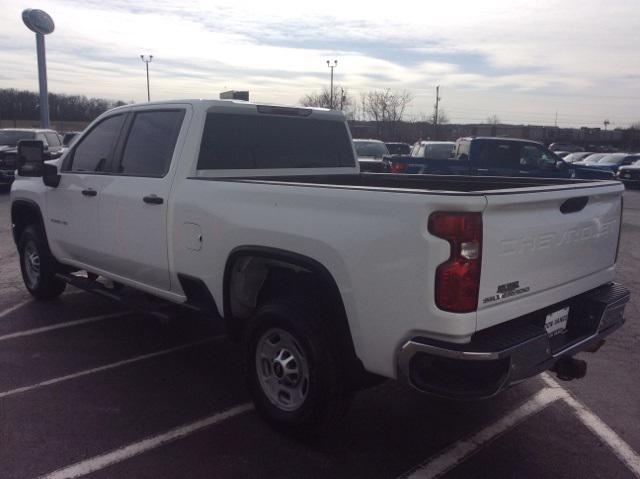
[
  {"x": 458, "y": 278},
  {"x": 397, "y": 167}
]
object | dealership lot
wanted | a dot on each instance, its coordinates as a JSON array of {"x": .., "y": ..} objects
[{"x": 90, "y": 389}]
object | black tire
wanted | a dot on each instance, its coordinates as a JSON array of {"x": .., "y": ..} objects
[
  {"x": 42, "y": 285},
  {"x": 326, "y": 399}
]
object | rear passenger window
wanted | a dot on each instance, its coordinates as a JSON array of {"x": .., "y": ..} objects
[
  {"x": 95, "y": 150},
  {"x": 150, "y": 143}
]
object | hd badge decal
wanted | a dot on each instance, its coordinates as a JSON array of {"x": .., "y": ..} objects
[{"x": 506, "y": 291}]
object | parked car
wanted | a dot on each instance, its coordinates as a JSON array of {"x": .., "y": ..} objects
[
  {"x": 397, "y": 148},
  {"x": 591, "y": 159},
  {"x": 577, "y": 156},
  {"x": 613, "y": 161},
  {"x": 9, "y": 138},
  {"x": 630, "y": 174},
  {"x": 491, "y": 156},
  {"x": 565, "y": 147},
  {"x": 371, "y": 154},
  {"x": 257, "y": 216},
  {"x": 424, "y": 157}
]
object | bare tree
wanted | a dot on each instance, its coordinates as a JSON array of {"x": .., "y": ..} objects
[
  {"x": 492, "y": 120},
  {"x": 342, "y": 100},
  {"x": 386, "y": 108},
  {"x": 443, "y": 117}
]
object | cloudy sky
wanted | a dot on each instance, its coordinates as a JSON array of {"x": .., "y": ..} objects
[{"x": 520, "y": 60}]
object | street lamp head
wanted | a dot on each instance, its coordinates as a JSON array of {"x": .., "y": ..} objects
[
  {"x": 38, "y": 21},
  {"x": 146, "y": 58}
]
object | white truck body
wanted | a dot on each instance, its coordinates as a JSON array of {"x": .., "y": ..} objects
[{"x": 369, "y": 232}]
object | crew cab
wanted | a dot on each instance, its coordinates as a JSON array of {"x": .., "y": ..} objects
[
  {"x": 491, "y": 156},
  {"x": 258, "y": 216},
  {"x": 9, "y": 138}
]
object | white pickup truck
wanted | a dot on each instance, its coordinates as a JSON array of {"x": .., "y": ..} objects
[{"x": 257, "y": 214}]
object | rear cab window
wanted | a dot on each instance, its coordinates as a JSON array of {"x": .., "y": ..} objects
[{"x": 239, "y": 141}]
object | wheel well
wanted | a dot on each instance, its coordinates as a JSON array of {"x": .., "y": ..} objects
[
  {"x": 23, "y": 214},
  {"x": 253, "y": 275}
]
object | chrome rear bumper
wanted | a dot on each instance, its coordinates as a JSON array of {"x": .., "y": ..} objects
[{"x": 507, "y": 354}]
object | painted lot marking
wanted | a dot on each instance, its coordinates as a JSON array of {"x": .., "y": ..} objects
[
  {"x": 455, "y": 455},
  {"x": 106, "y": 367},
  {"x": 620, "y": 448},
  {"x": 13, "y": 308},
  {"x": 105, "y": 460},
  {"x": 67, "y": 324}
]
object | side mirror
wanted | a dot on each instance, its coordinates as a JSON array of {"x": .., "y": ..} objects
[
  {"x": 30, "y": 158},
  {"x": 50, "y": 176},
  {"x": 561, "y": 165}
]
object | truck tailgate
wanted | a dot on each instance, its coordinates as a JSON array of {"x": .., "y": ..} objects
[{"x": 540, "y": 248}]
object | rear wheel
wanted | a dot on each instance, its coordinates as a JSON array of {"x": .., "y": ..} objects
[
  {"x": 292, "y": 370},
  {"x": 38, "y": 266}
]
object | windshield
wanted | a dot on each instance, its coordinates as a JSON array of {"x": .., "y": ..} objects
[
  {"x": 11, "y": 137},
  {"x": 572, "y": 157},
  {"x": 614, "y": 159},
  {"x": 370, "y": 148},
  {"x": 439, "y": 151},
  {"x": 591, "y": 159}
]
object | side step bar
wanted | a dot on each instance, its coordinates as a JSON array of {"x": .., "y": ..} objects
[{"x": 119, "y": 296}]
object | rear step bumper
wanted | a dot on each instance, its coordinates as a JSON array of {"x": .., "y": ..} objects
[{"x": 509, "y": 353}]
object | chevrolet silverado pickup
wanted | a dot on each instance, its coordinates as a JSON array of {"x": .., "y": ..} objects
[{"x": 258, "y": 215}]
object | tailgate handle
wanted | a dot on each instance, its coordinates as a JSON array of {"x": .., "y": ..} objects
[{"x": 572, "y": 205}]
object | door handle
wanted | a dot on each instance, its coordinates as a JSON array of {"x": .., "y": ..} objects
[
  {"x": 153, "y": 199},
  {"x": 89, "y": 192},
  {"x": 482, "y": 170}
]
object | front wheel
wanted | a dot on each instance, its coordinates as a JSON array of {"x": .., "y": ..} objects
[
  {"x": 38, "y": 266},
  {"x": 291, "y": 368}
]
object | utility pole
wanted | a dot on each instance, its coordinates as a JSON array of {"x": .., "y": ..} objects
[
  {"x": 335, "y": 64},
  {"x": 147, "y": 60},
  {"x": 435, "y": 113},
  {"x": 556, "y": 123},
  {"x": 606, "y": 124}
]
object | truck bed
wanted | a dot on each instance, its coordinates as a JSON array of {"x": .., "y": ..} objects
[{"x": 434, "y": 184}]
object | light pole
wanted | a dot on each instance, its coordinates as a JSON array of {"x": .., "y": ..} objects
[
  {"x": 335, "y": 64},
  {"x": 147, "y": 59},
  {"x": 41, "y": 24}
]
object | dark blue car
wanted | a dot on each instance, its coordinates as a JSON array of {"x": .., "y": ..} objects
[{"x": 489, "y": 156}]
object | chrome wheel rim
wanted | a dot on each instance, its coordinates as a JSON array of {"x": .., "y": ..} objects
[
  {"x": 282, "y": 368},
  {"x": 31, "y": 262}
]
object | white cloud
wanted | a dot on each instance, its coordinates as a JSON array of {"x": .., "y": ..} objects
[{"x": 519, "y": 59}]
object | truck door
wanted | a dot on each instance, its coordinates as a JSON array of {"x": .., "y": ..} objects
[
  {"x": 539, "y": 162},
  {"x": 133, "y": 203},
  {"x": 72, "y": 208}
]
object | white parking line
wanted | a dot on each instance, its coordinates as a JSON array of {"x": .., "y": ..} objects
[
  {"x": 13, "y": 308},
  {"x": 66, "y": 324},
  {"x": 106, "y": 367},
  {"x": 450, "y": 458},
  {"x": 620, "y": 448},
  {"x": 105, "y": 460}
]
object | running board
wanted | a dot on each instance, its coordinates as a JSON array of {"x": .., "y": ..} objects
[{"x": 95, "y": 287}]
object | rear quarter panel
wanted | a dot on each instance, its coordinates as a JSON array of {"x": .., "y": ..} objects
[{"x": 374, "y": 243}]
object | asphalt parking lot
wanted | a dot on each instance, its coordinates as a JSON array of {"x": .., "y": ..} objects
[{"x": 89, "y": 389}]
